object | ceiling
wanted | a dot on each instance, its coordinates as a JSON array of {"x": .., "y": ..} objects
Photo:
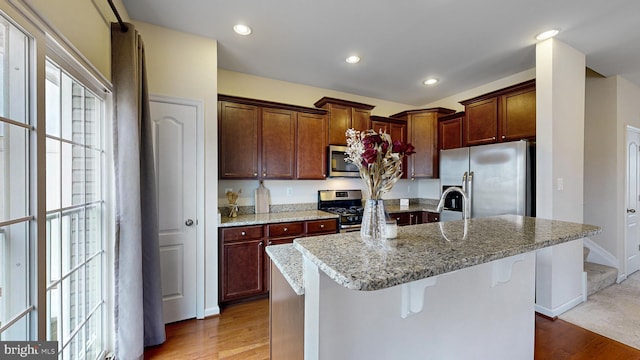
[{"x": 463, "y": 43}]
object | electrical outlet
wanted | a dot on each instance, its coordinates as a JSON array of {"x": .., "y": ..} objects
[{"x": 289, "y": 191}]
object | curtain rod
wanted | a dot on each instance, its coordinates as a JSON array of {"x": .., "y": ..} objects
[{"x": 123, "y": 26}]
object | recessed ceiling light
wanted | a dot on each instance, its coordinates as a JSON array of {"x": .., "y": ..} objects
[
  {"x": 430, "y": 81},
  {"x": 353, "y": 59},
  {"x": 242, "y": 29},
  {"x": 547, "y": 34}
]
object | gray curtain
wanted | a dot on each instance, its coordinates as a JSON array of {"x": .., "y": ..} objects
[{"x": 138, "y": 292}]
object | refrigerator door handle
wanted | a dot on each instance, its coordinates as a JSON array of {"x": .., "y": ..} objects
[
  {"x": 464, "y": 181},
  {"x": 469, "y": 192}
]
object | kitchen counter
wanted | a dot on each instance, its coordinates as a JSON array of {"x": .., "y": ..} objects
[
  {"x": 269, "y": 218},
  {"x": 437, "y": 284},
  {"x": 288, "y": 260},
  {"x": 431, "y": 249}
]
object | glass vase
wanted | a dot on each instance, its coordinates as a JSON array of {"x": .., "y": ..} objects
[{"x": 373, "y": 227}]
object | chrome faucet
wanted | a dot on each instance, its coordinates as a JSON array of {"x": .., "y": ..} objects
[{"x": 465, "y": 201}]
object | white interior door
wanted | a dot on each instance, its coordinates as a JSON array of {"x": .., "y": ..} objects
[
  {"x": 633, "y": 201},
  {"x": 174, "y": 135}
]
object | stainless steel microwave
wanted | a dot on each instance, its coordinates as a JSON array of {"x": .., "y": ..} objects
[{"x": 337, "y": 166}]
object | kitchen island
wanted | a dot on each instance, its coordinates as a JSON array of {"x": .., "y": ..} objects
[{"x": 452, "y": 290}]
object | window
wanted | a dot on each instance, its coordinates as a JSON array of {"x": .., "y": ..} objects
[
  {"x": 16, "y": 270},
  {"x": 73, "y": 232},
  {"x": 75, "y": 208}
]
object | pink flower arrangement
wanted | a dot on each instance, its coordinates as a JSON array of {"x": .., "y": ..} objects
[{"x": 378, "y": 158}]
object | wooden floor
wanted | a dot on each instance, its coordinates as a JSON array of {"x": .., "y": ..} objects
[{"x": 242, "y": 332}]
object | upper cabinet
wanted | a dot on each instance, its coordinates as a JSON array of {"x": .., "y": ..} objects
[
  {"x": 396, "y": 128},
  {"x": 343, "y": 115},
  {"x": 238, "y": 129},
  {"x": 267, "y": 140},
  {"x": 504, "y": 115},
  {"x": 422, "y": 133},
  {"x": 450, "y": 131}
]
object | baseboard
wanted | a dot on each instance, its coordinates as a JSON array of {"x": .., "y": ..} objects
[
  {"x": 598, "y": 255},
  {"x": 621, "y": 278},
  {"x": 560, "y": 309},
  {"x": 212, "y": 311}
]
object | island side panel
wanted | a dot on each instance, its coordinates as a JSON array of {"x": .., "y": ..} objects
[
  {"x": 481, "y": 312},
  {"x": 286, "y": 319}
]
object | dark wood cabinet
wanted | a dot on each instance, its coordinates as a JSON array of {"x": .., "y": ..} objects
[
  {"x": 343, "y": 115},
  {"x": 450, "y": 131},
  {"x": 278, "y": 142},
  {"x": 396, "y": 128},
  {"x": 242, "y": 258},
  {"x": 422, "y": 133},
  {"x": 267, "y": 140},
  {"x": 518, "y": 120},
  {"x": 504, "y": 115},
  {"x": 243, "y": 262},
  {"x": 311, "y": 147},
  {"x": 429, "y": 217},
  {"x": 238, "y": 121},
  {"x": 321, "y": 227}
]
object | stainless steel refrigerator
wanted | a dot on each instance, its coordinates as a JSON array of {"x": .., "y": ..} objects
[{"x": 497, "y": 178}]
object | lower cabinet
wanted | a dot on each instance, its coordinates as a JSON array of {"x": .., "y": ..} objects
[
  {"x": 414, "y": 217},
  {"x": 243, "y": 262}
]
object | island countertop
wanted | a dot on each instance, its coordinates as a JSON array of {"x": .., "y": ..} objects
[{"x": 426, "y": 250}]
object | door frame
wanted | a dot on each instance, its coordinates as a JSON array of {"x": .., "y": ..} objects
[
  {"x": 200, "y": 250},
  {"x": 629, "y": 129}
]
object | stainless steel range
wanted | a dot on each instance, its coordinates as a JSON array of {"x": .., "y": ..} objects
[{"x": 346, "y": 203}]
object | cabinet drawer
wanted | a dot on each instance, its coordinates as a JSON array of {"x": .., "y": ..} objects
[
  {"x": 285, "y": 229},
  {"x": 322, "y": 226},
  {"x": 403, "y": 218},
  {"x": 242, "y": 233}
]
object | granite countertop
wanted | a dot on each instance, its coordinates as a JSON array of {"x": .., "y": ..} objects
[
  {"x": 260, "y": 219},
  {"x": 432, "y": 249},
  {"x": 289, "y": 261}
]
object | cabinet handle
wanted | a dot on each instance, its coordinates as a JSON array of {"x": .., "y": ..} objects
[
  {"x": 397, "y": 219},
  {"x": 264, "y": 174},
  {"x": 286, "y": 229},
  {"x": 504, "y": 137},
  {"x": 493, "y": 138},
  {"x": 269, "y": 243},
  {"x": 260, "y": 244},
  {"x": 255, "y": 174},
  {"x": 321, "y": 226},
  {"x": 243, "y": 233}
]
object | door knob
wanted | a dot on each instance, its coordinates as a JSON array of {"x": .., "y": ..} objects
[
  {"x": 632, "y": 211},
  {"x": 189, "y": 222}
]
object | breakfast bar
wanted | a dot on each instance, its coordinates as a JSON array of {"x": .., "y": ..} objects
[{"x": 433, "y": 289}]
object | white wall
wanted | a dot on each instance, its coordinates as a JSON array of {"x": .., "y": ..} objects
[
  {"x": 185, "y": 66},
  {"x": 601, "y": 178},
  {"x": 612, "y": 104}
]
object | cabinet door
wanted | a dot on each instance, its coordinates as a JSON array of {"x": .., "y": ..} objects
[
  {"x": 399, "y": 132},
  {"x": 238, "y": 140},
  {"x": 243, "y": 269},
  {"x": 278, "y": 141},
  {"x": 481, "y": 122},
  {"x": 416, "y": 217},
  {"x": 380, "y": 126},
  {"x": 423, "y": 132},
  {"x": 450, "y": 134},
  {"x": 518, "y": 115},
  {"x": 360, "y": 119},
  {"x": 339, "y": 122},
  {"x": 311, "y": 147}
]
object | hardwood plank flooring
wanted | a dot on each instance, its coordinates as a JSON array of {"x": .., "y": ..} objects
[{"x": 242, "y": 332}]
